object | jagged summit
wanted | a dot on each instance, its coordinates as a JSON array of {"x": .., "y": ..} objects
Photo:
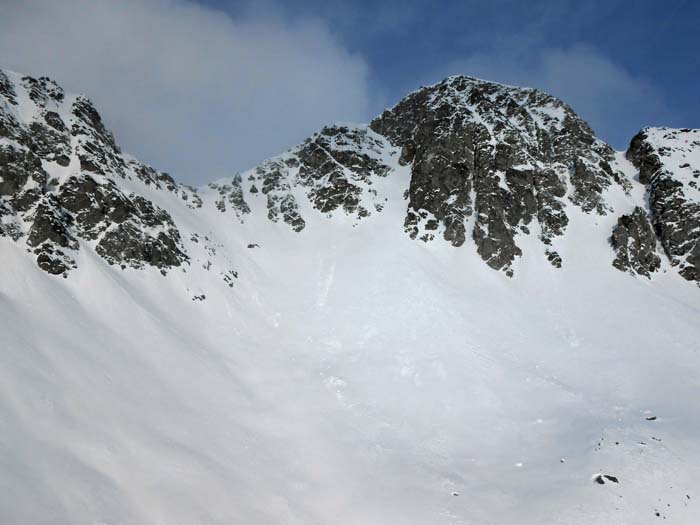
[
  {"x": 468, "y": 91},
  {"x": 506, "y": 155},
  {"x": 483, "y": 164},
  {"x": 66, "y": 183}
]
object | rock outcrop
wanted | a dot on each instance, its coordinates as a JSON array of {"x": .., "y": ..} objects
[
  {"x": 489, "y": 165},
  {"x": 232, "y": 195},
  {"x": 335, "y": 170},
  {"x": 498, "y": 157},
  {"x": 86, "y": 202},
  {"x": 669, "y": 165},
  {"x": 634, "y": 243}
]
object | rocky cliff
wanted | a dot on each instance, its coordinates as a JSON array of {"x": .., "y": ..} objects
[
  {"x": 490, "y": 166},
  {"x": 63, "y": 183},
  {"x": 669, "y": 165}
]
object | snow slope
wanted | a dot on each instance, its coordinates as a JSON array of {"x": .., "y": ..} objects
[{"x": 351, "y": 375}]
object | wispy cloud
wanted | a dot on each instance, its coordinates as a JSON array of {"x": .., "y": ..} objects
[{"x": 186, "y": 87}]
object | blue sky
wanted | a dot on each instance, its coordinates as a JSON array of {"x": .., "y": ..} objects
[
  {"x": 650, "y": 47},
  {"x": 203, "y": 88}
]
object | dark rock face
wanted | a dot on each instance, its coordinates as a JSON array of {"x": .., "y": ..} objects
[
  {"x": 7, "y": 90},
  {"x": 338, "y": 170},
  {"x": 96, "y": 149},
  {"x": 51, "y": 237},
  {"x": 17, "y": 168},
  {"x": 500, "y": 156},
  {"x": 488, "y": 164},
  {"x": 43, "y": 90},
  {"x": 122, "y": 224},
  {"x": 86, "y": 204},
  {"x": 22, "y": 183},
  {"x": 280, "y": 200},
  {"x": 233, "y": 195},
  {"x": 129, "y": 245},
  {"x": 51, "y": 144},
  {"x": 667, "y": 162},
  {"x": 335, "y": 169},
  {"x": 634, "y": 242}
]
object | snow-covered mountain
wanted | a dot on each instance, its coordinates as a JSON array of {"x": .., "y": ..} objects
[{"x": 471, "y": 310}]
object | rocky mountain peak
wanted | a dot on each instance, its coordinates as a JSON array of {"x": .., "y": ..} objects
[
  {"x": 477, "y": 163},
  {"x": 334, "y": 171},
  {"x": 64, "y": 183},
  {"x": 507, "y": 159},
  {"x": 502, "y": 109}
]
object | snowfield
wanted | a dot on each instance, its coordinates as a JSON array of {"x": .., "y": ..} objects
[{"x": 351, "y": 375}]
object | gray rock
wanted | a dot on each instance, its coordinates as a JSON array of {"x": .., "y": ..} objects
[
  {"x": 50, "y": 144},
  {"x": 501, "y": 154},
  {"x": 129, "y": 230},
  {"x": 43, "y": 90},
  {"x": 673, "y": 196},
  {"x": 126, "y": 226},
  {"x": 51, "y": 237},
  {"x": 634, "y": 242},
  {"x": 333, "y": 164},
  {"x": 335, "y": 169},
  {"x": 233, "y": 195},
  {"x": 17, "y": 168},
  {"x": 7, "y": 90},
  {"x": 281, "y": 202},
  {"x": 129, "y": 245}
]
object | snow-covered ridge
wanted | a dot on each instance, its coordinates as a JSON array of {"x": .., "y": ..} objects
[
  {"x": 85, "y": 191},
  {"x": 491, "y": 166}
]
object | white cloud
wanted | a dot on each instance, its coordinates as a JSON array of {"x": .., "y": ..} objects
[
  {"x": 616, "y": 103},
  {"x": 185, "y": 87}
]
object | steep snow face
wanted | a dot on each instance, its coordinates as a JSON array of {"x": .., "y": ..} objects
[
  {"x": 669, "y": 163},
  {"x": 308, "y": 362},
  {"x": 351, "y": 375}
]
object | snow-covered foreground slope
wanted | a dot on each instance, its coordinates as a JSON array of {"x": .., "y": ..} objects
[
  {"x": 355, "y": 376},
  {"x": 340, "y": 372}
]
